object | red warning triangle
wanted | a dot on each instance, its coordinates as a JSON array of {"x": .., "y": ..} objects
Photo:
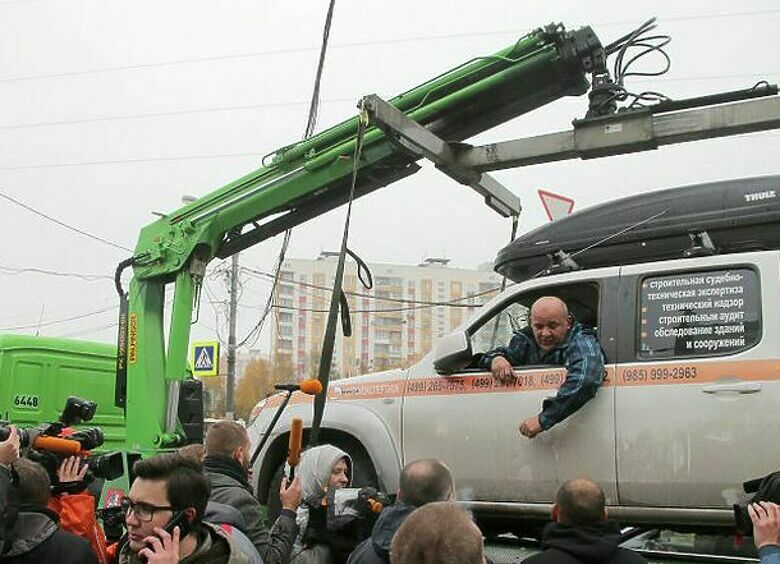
[{"x": 555, "y": 205}]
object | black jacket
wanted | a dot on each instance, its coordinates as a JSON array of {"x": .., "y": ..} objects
[
  {"x": 376, "y": 548},
  {"x": 229, "y": 486},
  {"x": 596, "y": 544},
  {"x": 38, "y": 538}
]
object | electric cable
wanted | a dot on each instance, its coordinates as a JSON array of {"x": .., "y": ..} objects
[
  {"x": 350, "y": 45},
  {"x": 453, "y": 303},
  {"x": 47, "y": 217},
  {"x": 58, "y": 321},
  {"x": 311, "y": 122},
  {"x": 32, "y": 270}
]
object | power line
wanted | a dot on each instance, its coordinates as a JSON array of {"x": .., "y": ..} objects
[
  {"x": 351, "y": 45},
  {"x": 227, "y": 156},
  {"x": 451, "y": 303},
  {"x": 242, "y": 107},
  {"x": 271, "y": 105},
  {"x": 87, "y": 331},
  {"x": 128, "y": 161},
  {"x": 32, "y": 270},
  {"x": 57, "y": 321},
  {"x": 16, "y": 202}
]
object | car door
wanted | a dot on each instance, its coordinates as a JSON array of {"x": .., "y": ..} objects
[
  {"x": 471, "y": 423},
  {"x": 697, "y": 383}
]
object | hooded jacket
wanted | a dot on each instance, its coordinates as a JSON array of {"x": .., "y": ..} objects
[
  {"x": 593, "y": 544},
  {"x": 229, "y": 486},
  {"x": 77, "y": 515},
  {"x": 376, "y": 549},
  {"x": 314, "y": 471},
  {"x": 38, "y": 538},
  {"x": 216, "y": 546}
]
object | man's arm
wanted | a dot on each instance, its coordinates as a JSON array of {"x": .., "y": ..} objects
[
  {"x": 584, "y": 374},
  {"x": 275, "y": 545},
  {"x": 515, "y": 352}
]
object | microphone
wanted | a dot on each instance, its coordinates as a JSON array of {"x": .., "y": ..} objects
[
  {"x": 56, "y": 444},
  {"x": 296, "y": 440},
  {"x": 310, "y": 387}
]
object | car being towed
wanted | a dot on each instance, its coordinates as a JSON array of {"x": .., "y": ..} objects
[{"x": 681, "y": 287}]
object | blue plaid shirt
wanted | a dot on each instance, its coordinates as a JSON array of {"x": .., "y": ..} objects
[
  {"x": 581, "y": 355},
  {"x": 770, "y": 554}
]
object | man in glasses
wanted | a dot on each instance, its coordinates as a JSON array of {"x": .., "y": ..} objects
[{"x": 169, "y": 488}]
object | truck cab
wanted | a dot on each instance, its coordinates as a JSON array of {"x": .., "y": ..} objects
[{"x": 690, "y": 336}]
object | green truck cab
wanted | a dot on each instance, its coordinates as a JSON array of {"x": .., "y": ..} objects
[{"x": 37, "y": 374}]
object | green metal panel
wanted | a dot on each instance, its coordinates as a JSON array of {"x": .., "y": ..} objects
[{"x": 43, "y": 371}]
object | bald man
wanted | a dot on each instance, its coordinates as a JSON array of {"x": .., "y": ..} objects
[
  {"x": 580, "y": 532},
  {"x": 552, "y": 338}
]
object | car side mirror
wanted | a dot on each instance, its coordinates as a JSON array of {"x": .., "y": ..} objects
[{"x": 452, "y": 353}]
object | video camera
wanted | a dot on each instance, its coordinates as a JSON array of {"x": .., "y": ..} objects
[
  {"x": 763, "y": 489},
  {"x": 49, "y": 443},
  {"x": 350, "y": 508}
]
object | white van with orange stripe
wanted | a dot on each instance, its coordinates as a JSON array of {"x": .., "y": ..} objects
[{"x": 682, "y": 287}]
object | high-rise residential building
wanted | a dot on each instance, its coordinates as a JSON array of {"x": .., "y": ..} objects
[{"x": 393, "y": 324}]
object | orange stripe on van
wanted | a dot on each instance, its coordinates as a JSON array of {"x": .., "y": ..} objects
[
  {"x": 697, "y": 372},
  {"x": 636, "y": 374}
]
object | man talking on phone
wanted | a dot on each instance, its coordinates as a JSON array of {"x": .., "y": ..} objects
[{"x": 164, "y": 516}]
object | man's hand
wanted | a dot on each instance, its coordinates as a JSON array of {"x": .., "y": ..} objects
[
  {"x": 502, "y": 370},
  {"x": 531, "y": 427},
  {"x": 69, "y": 470},
  {"x": 766, "y": 523},
  {"x": 163, "y": 548},
  {"x": 290, "y": 496},
  {"x": 9, "y": 448}
]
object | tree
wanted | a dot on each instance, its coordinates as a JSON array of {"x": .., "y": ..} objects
[{"x": 258, "y": 381}]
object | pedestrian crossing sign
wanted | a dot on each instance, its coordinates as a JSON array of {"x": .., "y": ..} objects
[{"x": 205, "y": 358}]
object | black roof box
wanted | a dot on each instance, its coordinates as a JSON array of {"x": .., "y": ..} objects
[{"x": 737, "y": 215}]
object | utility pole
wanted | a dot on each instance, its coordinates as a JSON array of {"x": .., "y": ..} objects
[{"x": 231, "y": 358}]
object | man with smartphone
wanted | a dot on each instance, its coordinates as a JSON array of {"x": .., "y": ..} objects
[{"x": 164, "y": 516}]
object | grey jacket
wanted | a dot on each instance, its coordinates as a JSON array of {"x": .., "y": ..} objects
[{"x": 275, "y": 545}]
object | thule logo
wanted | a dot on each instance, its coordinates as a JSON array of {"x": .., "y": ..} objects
[{"x": 757, "y": 196}]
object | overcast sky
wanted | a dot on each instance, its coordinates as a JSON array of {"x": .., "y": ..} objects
[{"x": 112, "y": 110}]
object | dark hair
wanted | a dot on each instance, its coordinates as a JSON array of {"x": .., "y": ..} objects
[
  {"x": 185, "y": 483},
  {"x": 224, "y": 437},
  {"x": 437, "y": 533},
  {"x": 34, "y": 485},
  {"x": 580, "y": 502},
  {"x": 425, "y": 481},
  {"x": 194, "y": 451}
]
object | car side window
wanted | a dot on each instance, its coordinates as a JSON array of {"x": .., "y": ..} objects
[
  {"x": 693, "y": 314},
  {"x": 499, "y": 330},
  {"x": 582, "y": 300}
]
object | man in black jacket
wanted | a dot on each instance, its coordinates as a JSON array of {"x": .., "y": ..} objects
[
  {"x": 228, "y": 451},
  {"x": 421, "y": 482},
  {"x": 37, "y": 536},
  {"x": 580, "y": 532}
]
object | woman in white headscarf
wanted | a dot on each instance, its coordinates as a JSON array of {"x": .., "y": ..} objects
[{"x": 322, "y": 469}]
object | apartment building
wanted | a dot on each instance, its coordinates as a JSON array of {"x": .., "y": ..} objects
[{"x": 393, "y": 323}]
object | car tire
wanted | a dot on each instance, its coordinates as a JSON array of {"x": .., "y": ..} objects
[{"x": 363, "y": 475}]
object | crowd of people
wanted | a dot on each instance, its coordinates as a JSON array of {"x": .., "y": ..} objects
[{"x": 196, "y": 506}]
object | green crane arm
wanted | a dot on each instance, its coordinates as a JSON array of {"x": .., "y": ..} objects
[{"x": 304, "y": 180}]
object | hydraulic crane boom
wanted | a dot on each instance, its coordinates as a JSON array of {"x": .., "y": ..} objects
[{"x": 304, "y": 180}]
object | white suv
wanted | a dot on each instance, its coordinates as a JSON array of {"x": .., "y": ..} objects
[{"x": 689, "y": 406}]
